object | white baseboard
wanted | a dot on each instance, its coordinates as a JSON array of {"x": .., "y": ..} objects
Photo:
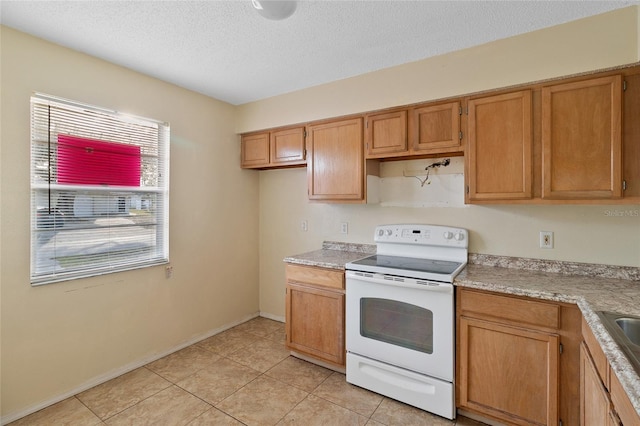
[
  {"x": 122, "y": 370},
  {"x": 271, "y": 316}
]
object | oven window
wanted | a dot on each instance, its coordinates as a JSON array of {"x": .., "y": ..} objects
[{"x": 397, "y": 323}]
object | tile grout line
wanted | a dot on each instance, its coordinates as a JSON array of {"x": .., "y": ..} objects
[
  {"x": 88, "y": 408},
  {"x": 143, "y": 399}
]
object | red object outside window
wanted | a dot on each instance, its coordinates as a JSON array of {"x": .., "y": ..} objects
[{"x": 84, "y": 161}]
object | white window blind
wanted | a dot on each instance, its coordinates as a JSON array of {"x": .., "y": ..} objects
[{"x": 99, "y": 191}]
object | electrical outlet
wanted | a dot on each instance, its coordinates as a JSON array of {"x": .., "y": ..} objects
[
  {"x": 168, "y": 271},
  {"x": 546, "y": 239},
  {"x": 344, "y": 227},
  {"x": 304, "y": 226}
]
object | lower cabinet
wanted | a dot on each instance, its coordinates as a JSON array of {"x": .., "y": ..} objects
[
  {"x": 603, "y": 400},
  {"x": 595, "y": 404},
  {"x": 315, "y": 320},
  {"x": 517, "y": 358},
  {"x": 509, "y": 373}
]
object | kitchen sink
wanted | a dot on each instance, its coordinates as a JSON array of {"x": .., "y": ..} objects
[
  {"x": 625, "y": 331},
  {"x": 631, "y": 328}
]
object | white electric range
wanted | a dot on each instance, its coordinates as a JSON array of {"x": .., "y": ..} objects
[{"x": 400, "y": 315}]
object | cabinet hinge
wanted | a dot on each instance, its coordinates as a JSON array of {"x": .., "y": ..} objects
[
  {"x": 624, "y": 185},
  {"x": 460, "y": 135},
  {"x": 559, "y": 422},
  {"x": 304, "y": 134},
  {"x": 624, "y": 85},
  {"x": 460, "y": 110},
  {"x": 467, "y": 189},
  {"x": 561, "y": 348},
  {"x": 304, "y": 154}
]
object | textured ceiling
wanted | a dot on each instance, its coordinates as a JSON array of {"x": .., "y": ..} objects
[{"x": 225, "y": 50}]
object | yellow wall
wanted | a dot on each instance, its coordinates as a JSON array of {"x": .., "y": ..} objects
[
  {"x": 60, "y": 337},
  {"x": 582, "y": 233}
]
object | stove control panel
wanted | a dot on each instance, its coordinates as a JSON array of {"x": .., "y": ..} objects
[{"x": 432, "y": 235}]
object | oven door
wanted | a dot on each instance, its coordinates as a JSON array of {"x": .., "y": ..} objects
[{"x": 403, "y": 322}]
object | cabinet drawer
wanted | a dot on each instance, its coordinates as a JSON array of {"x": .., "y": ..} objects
[
  {"x": 597, "y": 355},
  {"x": 509, "y": 308},
  {"x": 318, "y": 276}
]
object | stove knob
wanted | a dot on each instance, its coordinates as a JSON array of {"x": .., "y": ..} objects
[
  {"x": 459, "y": 236},
  {"x": 380, "y": 232},
  {"x": 389, "y": 232},
  {"x": 447, "y": 235}
]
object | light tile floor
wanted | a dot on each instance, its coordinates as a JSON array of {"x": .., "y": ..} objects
[{"x": 242, "y": 376}]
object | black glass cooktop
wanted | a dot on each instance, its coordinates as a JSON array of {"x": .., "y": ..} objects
[{"x": 410, "y": 264}]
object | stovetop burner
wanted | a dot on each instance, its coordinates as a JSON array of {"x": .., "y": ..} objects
[
  {"x": 425, "y": 252},
  {"x": 410, "y": 264}
]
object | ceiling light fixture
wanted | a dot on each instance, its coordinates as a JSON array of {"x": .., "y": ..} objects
[{"x": 275, "y": 9}]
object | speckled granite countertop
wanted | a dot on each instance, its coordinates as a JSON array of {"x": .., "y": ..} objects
[
  {"x": 333, "y": 255},
  {"x": 592, "y": 287}
]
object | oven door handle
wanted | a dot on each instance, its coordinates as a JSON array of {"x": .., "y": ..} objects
[{"x": 391, "y": 280}]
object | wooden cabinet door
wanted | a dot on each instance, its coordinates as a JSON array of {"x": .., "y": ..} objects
[
  {"x": 508, "y": 373},
  {"x": 335, "y": 161},
  {"x": 499, "y": 158},
  {"x": 255, "y": 150},
  {"x": 594, "y": 399},
  {"x": 581, "y": 139},
  {"x": 386, "y": 134},
  {"x": 435, "y": 128},
  {"x": 622, "y": 405},
  {"x": 315, "y": 322},
  {"x": 287, "y": 146}
]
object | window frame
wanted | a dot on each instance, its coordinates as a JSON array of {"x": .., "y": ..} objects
[{"x": 125, "y": 227}]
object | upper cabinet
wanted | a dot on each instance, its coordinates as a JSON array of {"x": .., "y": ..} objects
[
  {"x": 276, "y": 148},
  {"x": 435, "y": 128},
  {"x": 254, "y": 150},
  {"x": 386, "y": 134},
  {"x": 335, "y": 163},
  {"x": 499, "y": 157},
  {"x": 555, "y": 143},
  {"x": 582, "y": 139},
  {"x": 567, "y": 141},
  {"x": 287, "y": 147},
  {"x": 423, "y": 130}
]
